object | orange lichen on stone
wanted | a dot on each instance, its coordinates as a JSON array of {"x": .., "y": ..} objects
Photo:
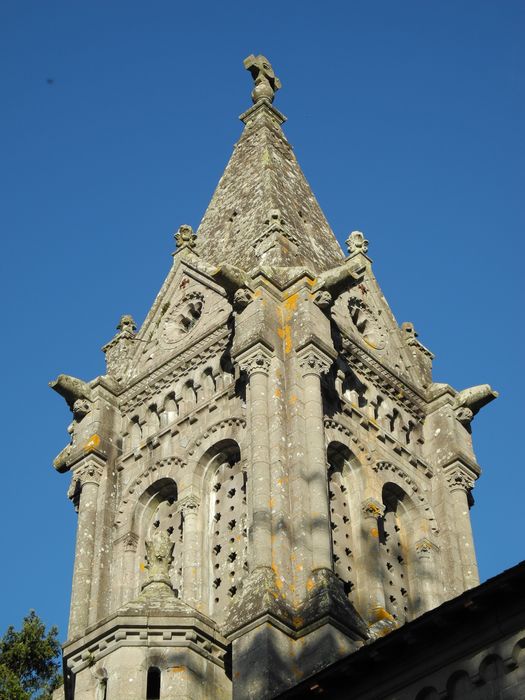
[
  {"x": 382, "y": 614},
  {"x": 92, "y": 443},
  {"x": 278, "y": 393},
  {"x": 374, "y": 532},
  {"x": 177, "y": 669},
  {"x": 309, "y": 585}
]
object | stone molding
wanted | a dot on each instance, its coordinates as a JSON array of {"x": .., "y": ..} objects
[
  {"x": 167, "y": 631},
  {"x": 87, "y": 471}
]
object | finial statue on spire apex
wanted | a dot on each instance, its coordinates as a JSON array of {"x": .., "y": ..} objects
[{"x": 266, "y": 82}]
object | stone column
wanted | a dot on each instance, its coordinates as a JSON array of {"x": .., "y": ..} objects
[
  {"x": 257, "y": 365},
  {"x": 130, "y": 566},
  {"x": 84, "y": 494},
  {"x": 191, "y": 551},
  {"x": 313, "y": 364},
  {"x": 460, "y": 481},
  {"x": 426, "y": 579},
  {"x": 374, "y": 608}
]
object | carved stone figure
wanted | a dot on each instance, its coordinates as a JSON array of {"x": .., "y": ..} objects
[
  {"x": 266, "y": 82},
  {"x": 159, "y": 555}
]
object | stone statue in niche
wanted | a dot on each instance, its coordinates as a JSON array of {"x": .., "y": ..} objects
[{"x": 159, "y": 556}]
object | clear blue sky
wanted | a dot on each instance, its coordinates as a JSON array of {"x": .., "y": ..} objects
[{"x": 407, "y": 118}]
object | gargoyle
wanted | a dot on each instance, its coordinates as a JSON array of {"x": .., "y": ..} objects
[
  {"x": 469, "y": 401},
  {"x": 71, "y": 389}
]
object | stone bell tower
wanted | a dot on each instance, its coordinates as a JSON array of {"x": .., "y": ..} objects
[{"x": 266, "y": 477}]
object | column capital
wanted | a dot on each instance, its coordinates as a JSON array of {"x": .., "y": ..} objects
[
  {"x": 189, "y": 504},
  {"x": 425, "y": 548},
  {"x": 459, "y": 477},
  {"x": 255, "y": 361},
  {"x": 87, "y": 471},
  {"x": 312, "y": 360},
  {"x": 372, "y": 508}
]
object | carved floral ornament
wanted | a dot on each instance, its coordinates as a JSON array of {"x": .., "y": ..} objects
[
  {"x": 356, "y": 243},
  {"x": 185, "y": 236}
]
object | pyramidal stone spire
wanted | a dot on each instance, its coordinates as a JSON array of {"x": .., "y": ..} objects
[{"x": 263, "y": 212}]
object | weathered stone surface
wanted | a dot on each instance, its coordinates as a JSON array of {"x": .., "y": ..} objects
[{"x": 267, "y": 479}]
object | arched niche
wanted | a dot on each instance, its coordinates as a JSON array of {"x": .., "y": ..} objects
[
  {"x": 343, "y": 496},
  {"x": 158, "y": 509},
  {"x": 395, "y": 550},
  {"x": 225, "y": 541}
]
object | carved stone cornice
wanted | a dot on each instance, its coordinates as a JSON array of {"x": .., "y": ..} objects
[
  {"x": 372, "y": 508},
  {"x": 179, "y": 364},
  {"x": 400, "y": 390},
  {"x": 314, "y": 361},
  {"x": 256, "y": 361}
]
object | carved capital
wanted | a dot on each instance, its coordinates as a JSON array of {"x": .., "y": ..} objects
[
  {"x": 459, "y": 478},
  {"x": 131, "y": 541},
  {"x": 189, "y": 504},
  {"x": 256, "y": 362},
  {"x": 425, "y": 548},
  {"x": 86, "y": 472},
  {"x": 313, "y": 361},
  {"x": 372, "y": 508}
]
